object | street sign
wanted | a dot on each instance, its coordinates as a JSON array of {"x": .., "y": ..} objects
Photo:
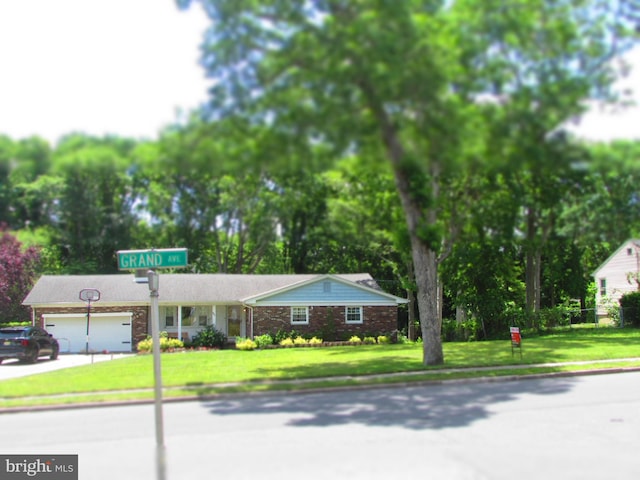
[{"x": 151, "y": 259}]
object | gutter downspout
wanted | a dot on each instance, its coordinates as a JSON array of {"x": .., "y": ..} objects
[{"x": 250, "y": 310}]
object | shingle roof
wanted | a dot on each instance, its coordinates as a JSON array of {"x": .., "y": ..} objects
[{"x": 174, "y": 288}]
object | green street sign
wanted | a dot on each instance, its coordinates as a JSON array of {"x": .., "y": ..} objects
[{"x": 162, "y": 258}]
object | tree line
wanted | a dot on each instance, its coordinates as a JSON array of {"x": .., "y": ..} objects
[
  {"x": 422, "y": 141},
  {"x": 89, "y": 197}
]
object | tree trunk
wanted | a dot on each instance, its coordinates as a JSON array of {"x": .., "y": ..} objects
[
  {"x": 461, "y": 313},
  {"x": 533, "y": 263},
  {"x": 425, "y": 263},
  {"x": 411, "y": 315},
  {"x": 425, "y": 259},
  {"x": 532, "y": 266}
]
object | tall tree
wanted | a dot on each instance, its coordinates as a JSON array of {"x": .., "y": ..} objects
[
  {"x": 32, "y": 203},
  {"x": 400, "y": 80},
  {"x": 7, "y": 155},
  {"x": 18, "y": 269},
  {"x": 201, "y": 194},
  {"x": 94, "y": 214},
  {"x": 542, "y": 59}
]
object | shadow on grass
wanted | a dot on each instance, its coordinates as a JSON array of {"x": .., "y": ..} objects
[
  {"x": 430, "y": 407},
  {"x": 345, "y": 366}
]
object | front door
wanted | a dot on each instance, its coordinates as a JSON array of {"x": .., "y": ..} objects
[{"x": 234, "y": 321}]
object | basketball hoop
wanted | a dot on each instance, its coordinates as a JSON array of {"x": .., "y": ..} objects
[{"x": 89, "y": 295}]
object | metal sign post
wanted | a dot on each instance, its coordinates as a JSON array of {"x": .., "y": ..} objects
[
  {"x": 516, "y": 339},
  {"x": 150, "y": 260},
  {"x": 88, "y": 295}
]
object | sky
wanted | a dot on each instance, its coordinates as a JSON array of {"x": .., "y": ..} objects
[
  {"x": 130, "y": 68},
  {"x": 122, "y": 67}
]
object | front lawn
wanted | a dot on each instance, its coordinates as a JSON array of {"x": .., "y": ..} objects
[{"x": 200, "y": 369}]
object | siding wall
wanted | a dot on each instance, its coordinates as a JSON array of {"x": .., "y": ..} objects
[
  {"x": 615, "y": 272},
  {"x": 326, "y": 292}
]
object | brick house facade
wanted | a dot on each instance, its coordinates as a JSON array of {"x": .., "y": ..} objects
[
  {"x": 326, "y": 322},
  {"x": 334, "y": 307}
]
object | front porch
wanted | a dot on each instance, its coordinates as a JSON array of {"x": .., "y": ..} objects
[{"x": 185, "y": 321}]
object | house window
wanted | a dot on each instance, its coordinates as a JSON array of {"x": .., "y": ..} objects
[
  {"x": 299, "y": 315},
  {"x": 629, "y": 251},
  {"x": 202, "y": 320},
  {"x": 168, "y": 315},
  {"x": 353, "y": 315},
  {"x": 603, "y": 287},
  {"x": 326, "y": 287}
]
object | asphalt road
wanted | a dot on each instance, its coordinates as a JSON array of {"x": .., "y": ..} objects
[{"x": 564, "y": 428}]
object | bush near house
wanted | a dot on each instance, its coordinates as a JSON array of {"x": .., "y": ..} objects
[
  {"x": 209, "y": 337},
  {"x": 245, "y": 344},
  {"x": 166, "y": 343},
  {"x": 630, "y": 304},
  {"x": 263, "y": 340}
]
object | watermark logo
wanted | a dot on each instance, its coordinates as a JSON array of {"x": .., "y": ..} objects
[{"x": 49, "y": 467}]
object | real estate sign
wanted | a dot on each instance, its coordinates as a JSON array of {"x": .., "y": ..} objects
[
  {"x": 152, "y": 259},
  {"x": 516, "y": 339}
]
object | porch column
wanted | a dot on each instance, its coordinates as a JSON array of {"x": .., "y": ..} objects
[{"x": 179, "y": 317}]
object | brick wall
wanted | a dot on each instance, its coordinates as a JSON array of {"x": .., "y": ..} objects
[
  {"x": 139, "y": 320},
  {"x": 327, "y": 323}
]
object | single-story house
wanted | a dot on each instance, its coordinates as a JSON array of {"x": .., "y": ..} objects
[
  {"x": 333, "y": 307},
  {"x": 617, "y": 275}
]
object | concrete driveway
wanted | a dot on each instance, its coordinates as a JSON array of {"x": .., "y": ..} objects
[{"x": 12, "y": 368}]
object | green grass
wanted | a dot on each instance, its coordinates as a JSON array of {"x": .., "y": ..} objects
[{"x": 212, "y": 372}]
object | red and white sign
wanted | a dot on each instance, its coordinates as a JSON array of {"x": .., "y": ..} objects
[{"x": 515, "y": 336}]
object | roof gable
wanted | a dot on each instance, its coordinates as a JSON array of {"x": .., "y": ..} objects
[
  {"x": 631, "y": 243},
  {"x": 325, "y": 290}
]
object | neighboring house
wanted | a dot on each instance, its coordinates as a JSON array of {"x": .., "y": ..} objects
[
  {"x": 330, "y": 306},
  {"x": 619, "y": 274}
]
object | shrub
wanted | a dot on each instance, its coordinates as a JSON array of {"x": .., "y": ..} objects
[
  {"x": 263, "y": 340},
  {"x": 300, "y": 341},
  {"x": 166, "y": 343},
  {"x": 145, "y": 345},
  {"x": 286, "y": 342},
  {"x": 383, "y": 340},
  {"x": 15, "y": 324},
  {"x": 279, "y": 336},
  {"x": 245, "y": 344},
  {"x": 209, "y": 337},
  {"x": 630, "y": 303},
  {"x": 467, "y": 331},
  {"x": 170, "y": 343},
  {"x": 315, "y": 341},
  {"x": 369, "y": 340},
  {"x": 355, "y": 339}
]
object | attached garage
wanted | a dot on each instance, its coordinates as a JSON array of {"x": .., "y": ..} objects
[{"x": 107, "y": 331}]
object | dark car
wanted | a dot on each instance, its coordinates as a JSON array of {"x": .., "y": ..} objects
[{"x": 27, "y": 344}]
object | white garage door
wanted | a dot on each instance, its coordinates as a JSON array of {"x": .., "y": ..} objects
[{"x": 107, "y": 332}]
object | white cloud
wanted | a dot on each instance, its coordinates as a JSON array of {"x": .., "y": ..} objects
[
  {"x": 607, "y": 122},
  {"x": 122, "y": 67}
]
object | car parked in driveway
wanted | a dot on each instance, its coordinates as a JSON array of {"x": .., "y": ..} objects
[{"x": 27, "y": 344}]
